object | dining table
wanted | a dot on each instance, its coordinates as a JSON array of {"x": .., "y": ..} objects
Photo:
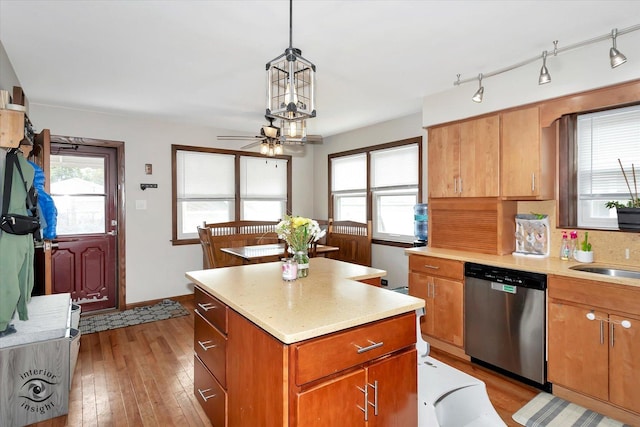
[{"x": 254, "y": 254}]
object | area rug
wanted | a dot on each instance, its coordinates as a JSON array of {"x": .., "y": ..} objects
[
  {"x": 548, "y": 410},
  {"x": 163, "y": 310}
]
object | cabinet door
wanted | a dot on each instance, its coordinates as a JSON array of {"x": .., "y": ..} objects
[
  {"x": 444, "y": 161},
  {"x": 420, "y": 287},
  {"x": 624, "y": 364},
  {"x": 578, "y": 349},
  {"x": 520, "y": 171},
  {"x": 448, "y": 317},
  {"x": 333, "y": 403},
  {"x": 479, "y": 157},
  {"x": 396, "y": 379}
]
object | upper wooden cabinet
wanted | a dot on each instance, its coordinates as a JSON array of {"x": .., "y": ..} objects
[
  {"x": 464, "y": 159},
  {"x": 528, "y": 156}
]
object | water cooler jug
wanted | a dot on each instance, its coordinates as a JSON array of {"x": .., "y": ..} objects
[{"x": 420, "y": 222}]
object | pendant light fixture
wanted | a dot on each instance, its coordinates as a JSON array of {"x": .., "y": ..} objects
[
  {"x": 477, "y": 97},
  {"x": 545, "y": 77},
  {"x": 291, "y": 83},
  {"x": 615, "y": 56}
]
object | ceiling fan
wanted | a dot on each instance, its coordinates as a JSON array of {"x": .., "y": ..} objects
[{"x": 272, "y": 139}]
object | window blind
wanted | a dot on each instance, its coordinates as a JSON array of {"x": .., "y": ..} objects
[{"x": 603, "y": 138}]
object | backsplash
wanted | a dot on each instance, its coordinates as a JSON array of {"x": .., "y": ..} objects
[{"x": 608, "y": 246}]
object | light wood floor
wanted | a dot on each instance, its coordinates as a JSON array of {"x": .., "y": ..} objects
[{"x": 143, "y": 376}]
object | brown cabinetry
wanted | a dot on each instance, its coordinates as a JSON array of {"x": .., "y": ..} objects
[
  {"x": 528, "y": 156},
  {"x": 210, "y": 360},
  {"x": 439, "y": 282},
  {"x": 594, "y": 339},
  {"x": 464, "y": 159},
  {"x": 363, "y": 376}
]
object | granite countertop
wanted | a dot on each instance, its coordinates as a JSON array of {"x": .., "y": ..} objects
[
  {"x": 330, "y": 299},
  {"x": 548, "y": 265}
]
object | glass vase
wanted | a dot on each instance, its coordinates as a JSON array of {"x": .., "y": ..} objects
[{"x": 302, "y": 259}]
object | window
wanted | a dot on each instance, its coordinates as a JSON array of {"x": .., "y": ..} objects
[
  {"x": 211, "y": 185},
  {"x": 603, "y": 138},
  {"x": 349, "y": 188},
  {"x": 392, "y": 184}
]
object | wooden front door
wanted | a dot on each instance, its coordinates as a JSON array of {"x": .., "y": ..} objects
[{"x": 84, "y": 185}]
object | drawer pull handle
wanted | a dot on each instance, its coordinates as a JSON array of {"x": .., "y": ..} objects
[
  {"x": 204, "y": 345},
  {"x": 370, "y": 347},
  {"x": 433, "y": 267},
  {"x": 205, "y": 398},
  {"x": 206, "y": 306}
]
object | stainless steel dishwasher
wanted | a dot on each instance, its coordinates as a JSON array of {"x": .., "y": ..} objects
[{"x": 505, "y": 320}]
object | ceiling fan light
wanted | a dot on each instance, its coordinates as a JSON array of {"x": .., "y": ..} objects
[
  {"x": 278, "y": 149},
  {"x": 264, "y": 148}
]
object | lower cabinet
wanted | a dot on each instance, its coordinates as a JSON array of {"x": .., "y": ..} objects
[
  {"x": 377, "y": 395},
  {"x": 439, "y": 282},
  {"x": 363, "y": 376},
  {"x": 594, "y": 340}
]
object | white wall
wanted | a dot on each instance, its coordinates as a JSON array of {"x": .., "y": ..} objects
[
  {"x": 154, "y": 268},
  {"x": 391, "y": 259}
]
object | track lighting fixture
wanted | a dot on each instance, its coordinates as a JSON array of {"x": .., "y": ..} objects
[
  {"x": 477, "y": 97},
  {"x": 545, "y": 77},
  {"x": 615, "y": 56}
]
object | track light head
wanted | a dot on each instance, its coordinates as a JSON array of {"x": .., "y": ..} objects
[
  {"x": 615, "y": 56},
  {"x": 477, "y": 97},
  {"x": 545, "y": 77}
]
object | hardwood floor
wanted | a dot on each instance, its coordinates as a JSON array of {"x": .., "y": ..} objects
[{"x": 143, "y": 376}]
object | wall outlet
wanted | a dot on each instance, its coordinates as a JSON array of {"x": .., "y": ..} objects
[
  {"x": 384, "y": 282},
  {"x": 626, "y": 253}
]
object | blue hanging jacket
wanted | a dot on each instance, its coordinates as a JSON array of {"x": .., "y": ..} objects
[{"x": 49, "y": 213}]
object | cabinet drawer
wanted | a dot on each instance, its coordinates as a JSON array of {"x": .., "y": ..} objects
[
  {"x": 323, "y": 356},
  {"x": 611, "y": 296},
  {"x": 211, "y": 347},
  {"x": 209, "y": 394},
  {"x": 211, "y": 309},
  {"x": 437, "y": 266}
]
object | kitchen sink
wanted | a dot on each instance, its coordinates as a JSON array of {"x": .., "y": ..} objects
[{"x": 607, "y": 271}]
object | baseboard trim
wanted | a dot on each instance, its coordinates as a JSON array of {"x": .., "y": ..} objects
[
  {"x": 446, "y": 347},
  {"x": 178, "y": 298},
  {"x": 596, "y": 405}
]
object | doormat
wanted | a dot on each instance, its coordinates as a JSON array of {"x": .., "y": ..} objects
[
  {"x": 547, "y": 410},
  {"x": 163, "y": 310}
]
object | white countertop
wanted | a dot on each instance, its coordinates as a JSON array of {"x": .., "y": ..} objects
[
  {"x": 330, "y": 299},
  {"x": 548, "y": 265}
]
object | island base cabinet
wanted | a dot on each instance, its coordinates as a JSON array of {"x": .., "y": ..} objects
[
  {"x": 210, "y": 394},
  {"x": 380, "y": 395}
]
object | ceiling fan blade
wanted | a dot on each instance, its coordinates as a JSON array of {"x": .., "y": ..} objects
[
  {"x": 309, "y": 139},
  {"x": 240, "y": 137},
  {"x": 253, "y": 144}
]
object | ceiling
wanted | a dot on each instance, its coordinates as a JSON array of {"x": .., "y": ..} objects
[{"x": 203, "y": 62}]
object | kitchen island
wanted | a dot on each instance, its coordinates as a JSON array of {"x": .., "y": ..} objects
[{"x": 322, "y": 350}]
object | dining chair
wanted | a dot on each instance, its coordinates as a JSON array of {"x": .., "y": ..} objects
[{"x": 208, "y": 259}]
